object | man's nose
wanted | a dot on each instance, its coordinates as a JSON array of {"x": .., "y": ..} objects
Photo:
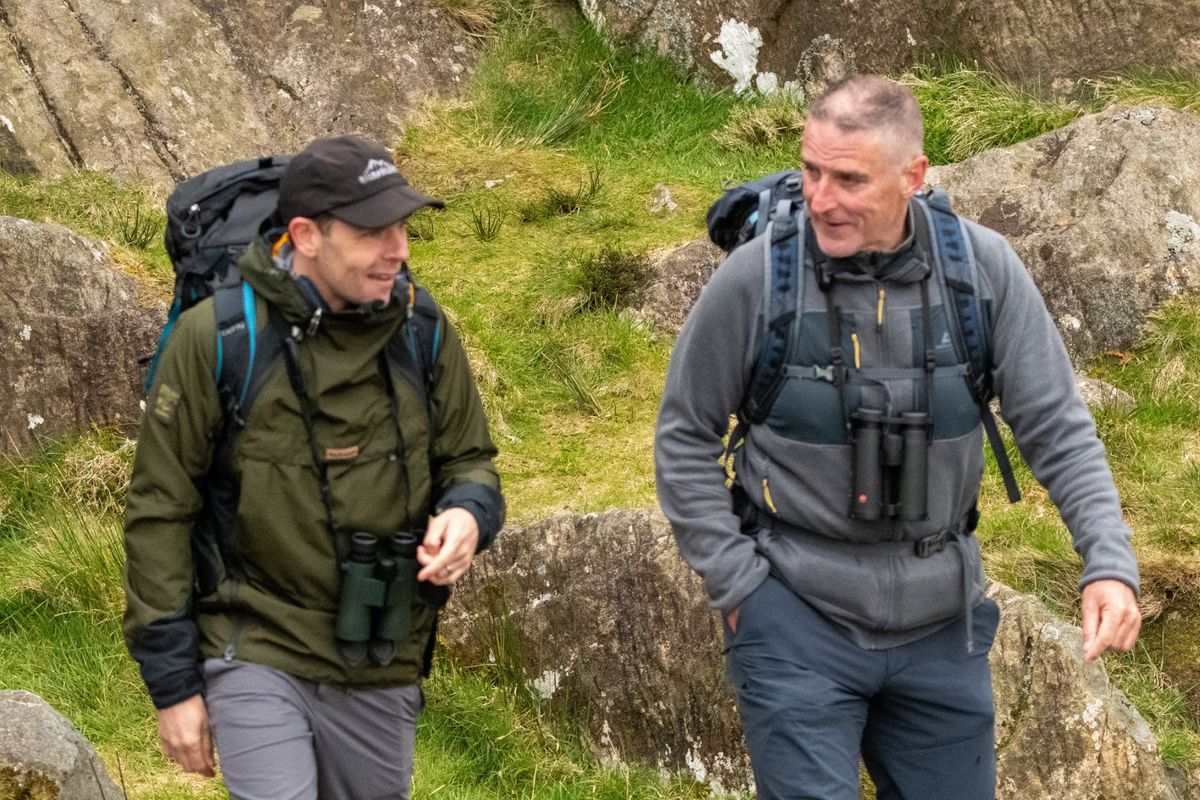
[
  {"x": 821, "y": 197},
  {"x": 396, "y": 243}
]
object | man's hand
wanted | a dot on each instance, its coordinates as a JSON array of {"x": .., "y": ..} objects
[
  {"x": 1111, "y": 619},
  {"x": 186, "y": 737},
  {"x": 449, "y": 547},
  {"x": 732, "y": 617}
]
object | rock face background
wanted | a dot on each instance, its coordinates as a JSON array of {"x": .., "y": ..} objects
[
  {"x": 71, "y": 332},
  {"x": 1103, "y": 212},
  {"x": 768, "y": 44},
  {"x": 43, "y": 756},
  {"x": 604, "y": 618},
  {"x": 155, "y": 92}
]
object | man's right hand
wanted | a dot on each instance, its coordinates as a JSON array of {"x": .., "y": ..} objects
[{"x": 186, "y": 737}]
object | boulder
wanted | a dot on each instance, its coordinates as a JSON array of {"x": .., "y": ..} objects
[
  {"x": 155, "y": 93},
  {"x": 73, "y": 331},
  {"x": 676, "y": 277},
  {"x": 1103, "y": 212},
  {"x": 773, "y": 45},
  {"x": 598, "y": 613},
  {"x": 1062, "y": 730},
  {"x": 43, "y": 756}
]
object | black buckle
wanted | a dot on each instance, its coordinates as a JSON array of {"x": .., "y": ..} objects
[{"x": 931, "y": 544}]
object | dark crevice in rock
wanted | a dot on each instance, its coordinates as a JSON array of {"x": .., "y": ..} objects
[
  {"x": 156, "y": 135},
  {"x": 284, "y": 86},
  {"x": 26, "y": 60},
  {"x": 1021, "y": 707}
]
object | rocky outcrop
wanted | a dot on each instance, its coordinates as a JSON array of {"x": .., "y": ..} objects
[
  {"x": 599, "y": 613},
  {"x": 1062, "y": 730},
  {"x": 1103, "y": 212},
  {"x": 676, "y": 277},
  {"x": 43, "y": 756},
  {"x": 156, "y": 92},
  {"x": 73, "y": 329},
  {"x": 766, "y": 46}
]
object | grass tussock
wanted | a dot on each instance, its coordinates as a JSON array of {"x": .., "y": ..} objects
[
  {"x": 968, "y": 111},
  {"x": 769, "y": 123},
  {"x": 1172, "y": 88}
]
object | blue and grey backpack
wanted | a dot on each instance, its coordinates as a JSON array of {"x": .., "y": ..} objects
[{"x": 743, "y": 212}]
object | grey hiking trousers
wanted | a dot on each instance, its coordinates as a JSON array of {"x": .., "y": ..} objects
[
  {"x": 282, "y": 738},
  {"x": 811, "y": 701}
]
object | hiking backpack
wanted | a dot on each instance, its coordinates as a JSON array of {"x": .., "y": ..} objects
[
  {"x": 212, "y": 219},
  {"x": 744, "y": 212}
]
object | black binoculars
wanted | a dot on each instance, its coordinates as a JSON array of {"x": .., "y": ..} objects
[
  {"x": 891, "y": 465},
  {"x": 375, "y": 602}
]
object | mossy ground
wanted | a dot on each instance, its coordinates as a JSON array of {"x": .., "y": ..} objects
[{"x": 550, "y": 160}]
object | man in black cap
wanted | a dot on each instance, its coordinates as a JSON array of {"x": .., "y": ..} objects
[{"x": 284, "y": 570}]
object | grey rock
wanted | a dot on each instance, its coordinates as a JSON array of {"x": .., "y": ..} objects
[
  {"x": 741, "y": 43},
  {"x": 676, "y": 277},
  {"x": 1103, "y": 213},
  {"x": 156, "y": 92},
  {"x": 1096, "y": 392},
  {"x": 43, "y": 756},
  {"x": 73, "y": 329},
  {"x": 1062, "y": 730},
  {"x": 603, "y": 616}
]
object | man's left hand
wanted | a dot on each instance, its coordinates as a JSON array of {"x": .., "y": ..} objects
[
  {"x": 1111, "y": 619},
  {"x": 449, "y": 547}
]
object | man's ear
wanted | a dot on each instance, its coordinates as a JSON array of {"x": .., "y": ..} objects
[
  {"x": 305, "y": 236},
  {"x": 914, "y": 175}
]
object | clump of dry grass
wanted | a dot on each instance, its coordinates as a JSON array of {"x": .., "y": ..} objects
[{"x": 764, "y": 125}]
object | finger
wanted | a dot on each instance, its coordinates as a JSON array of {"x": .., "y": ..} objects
[
  {"x": 210, "y": 761},
  {"x": 1091, "y": 621},
  {"x": 1127, "y": 636},
  {"x": 436, "y": 567},
  {"x": 1107, "y": 629}
]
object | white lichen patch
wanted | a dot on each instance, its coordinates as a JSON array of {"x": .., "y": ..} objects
[
  {"x": 546, "y": 684},
  {"x": 738, "y": 55},
  {"x": 181, "y": 93},
  {"x": 370, "y": 8},
  {"x": 1070, "y": 322},
  {"x": 911, "y": 41},
  {"x": 7, "y": 123},
  {"x": 26, "y": 333},
  {"x": 1182, "y": 232},
  {"x": 695, "y": 765},
  {"x": 307, "y": 14},
  {"x": 541, "y": 598},
  {"x": 34, "y": 420}
]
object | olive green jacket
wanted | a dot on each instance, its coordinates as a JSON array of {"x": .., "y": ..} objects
[{"x": 274, "y": 561}]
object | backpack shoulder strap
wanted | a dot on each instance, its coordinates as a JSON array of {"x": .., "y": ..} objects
[
  {"x": 958, "y": 271},
  {"x": 415, "y": 347},
  {"x": 782, "y": 299}
]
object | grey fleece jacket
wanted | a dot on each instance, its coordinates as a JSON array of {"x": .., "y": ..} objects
[{"x": 805, "y": 482}]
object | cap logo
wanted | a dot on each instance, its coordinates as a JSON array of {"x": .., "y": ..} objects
[{"x": 376, "y": 168}]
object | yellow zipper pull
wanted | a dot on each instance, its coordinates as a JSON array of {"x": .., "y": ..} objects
[
  {"x": 879, "y": 312},
  {"x": 857, "y": 359},
  {"x": 767, "y": 497}
]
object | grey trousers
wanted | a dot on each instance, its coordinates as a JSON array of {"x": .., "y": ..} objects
[
  {"x": 282, "y": 738},
  {"x": 811, "y": 701}
]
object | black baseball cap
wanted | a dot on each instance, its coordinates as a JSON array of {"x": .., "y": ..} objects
[{"x": 352, "y": 179}]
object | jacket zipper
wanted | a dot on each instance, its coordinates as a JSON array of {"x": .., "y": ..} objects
[{"x": 238, "y": 621}]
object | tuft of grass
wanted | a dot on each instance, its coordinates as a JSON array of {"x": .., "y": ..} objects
[
  {"x": 609, "y": 277},
  {"x": 767, "y": 123},
  {"x": 967, "y": 111},
  {"x": 476, "y": 17},
  {"x": 143, "y": 229},
  {"x": 561, "y": 202},
  {"x": 486, "y": 221},
  {"x": 1173, "y": 88}
]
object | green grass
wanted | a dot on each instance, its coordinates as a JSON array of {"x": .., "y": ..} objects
[
  {"x": 1173, "y": 88},
  {"x": 563, "y": 139},
  {"x": 967, "y": 111}
]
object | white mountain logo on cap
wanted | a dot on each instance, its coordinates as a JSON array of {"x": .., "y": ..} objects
[{"x": 376, "y": 168}]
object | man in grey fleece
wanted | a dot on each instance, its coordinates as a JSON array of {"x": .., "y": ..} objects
[{"x": 849, "y": 635}]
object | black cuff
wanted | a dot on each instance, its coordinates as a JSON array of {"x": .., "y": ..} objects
[{"x": 483, "y": 502}]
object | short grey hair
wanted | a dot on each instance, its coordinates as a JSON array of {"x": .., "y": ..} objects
[{"x": 870, "y": 103}]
